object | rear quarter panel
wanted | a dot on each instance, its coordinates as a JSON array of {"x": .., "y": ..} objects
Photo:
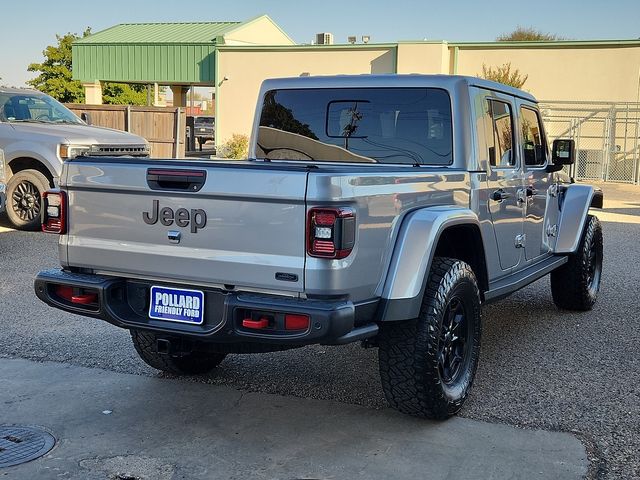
[{"x": 382, "y": 197}]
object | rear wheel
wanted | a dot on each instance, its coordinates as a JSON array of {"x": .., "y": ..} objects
[
  {"x": 193, "y": 363},
  {"x": 24, "y": 198},
  {"x": 427, "y": 365},
  {"x": 575, "y": 285}
]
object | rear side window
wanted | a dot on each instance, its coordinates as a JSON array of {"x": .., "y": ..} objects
[
  {"x": 500, "y": 139},
  {"x": 532, "y": 139},
  {"x": 370, "y": 125}
]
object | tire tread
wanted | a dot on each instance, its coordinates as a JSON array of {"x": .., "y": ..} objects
[
  {"x": 408, "y": 349},
  {"x": 569, "y": 283}
]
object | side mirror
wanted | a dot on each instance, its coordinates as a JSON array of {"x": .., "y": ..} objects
[
  {"x": 86, "y": 117},
  {"x": 563, "y": 152}
]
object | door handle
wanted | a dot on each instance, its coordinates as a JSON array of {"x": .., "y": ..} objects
[{"x": 500, "y": 195}]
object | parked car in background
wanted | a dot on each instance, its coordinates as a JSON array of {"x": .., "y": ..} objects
[
  {"x": 37, "y": 134},
  {"x": 3, "y": 185},
  {"x": 204, "y": 127}
]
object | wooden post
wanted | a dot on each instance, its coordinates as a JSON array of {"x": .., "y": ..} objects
[
  {"x": 127, "y": 121},
  {"x": 176, "y": 144}
]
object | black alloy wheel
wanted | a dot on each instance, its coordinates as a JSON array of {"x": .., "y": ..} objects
[
  {"x": 453, "y": 347},
  {"x": 26, "y": 201},
  {"x": 24, "y": 198}
]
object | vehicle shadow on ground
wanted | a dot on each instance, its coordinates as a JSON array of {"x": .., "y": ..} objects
[
  {"x": 624, "y": 211},
  {"x": 4, "y": 221}
]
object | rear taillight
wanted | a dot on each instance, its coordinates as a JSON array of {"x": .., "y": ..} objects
[
  {"x": 54, "y": 212},
  {"x": 331, "y": 232}
]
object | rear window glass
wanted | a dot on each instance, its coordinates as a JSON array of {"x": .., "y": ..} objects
[{"x": 371, "y": 125}]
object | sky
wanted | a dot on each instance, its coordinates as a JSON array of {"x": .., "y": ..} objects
[{"x": 28, "y": 26}]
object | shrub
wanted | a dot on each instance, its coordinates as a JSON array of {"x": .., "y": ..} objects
[
  {"x": 237, "y": 147},
  {"x": 503, "y": 74}
]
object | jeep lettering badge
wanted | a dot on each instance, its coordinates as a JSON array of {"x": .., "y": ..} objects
[{"x": 196, "y": 217}]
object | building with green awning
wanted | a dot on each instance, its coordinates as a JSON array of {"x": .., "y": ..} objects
[
  {"x": 179, "y": 55},
  {"x": 235, "y": 57}
]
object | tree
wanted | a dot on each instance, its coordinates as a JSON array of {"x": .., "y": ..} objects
[
  {"x": 503, "y": 74},
  {"x": 276, "y": 115},
  {"x": 527, "y": 34},
  {"x": 123, "y": 94},
  {"x": 55, "y": 77}
]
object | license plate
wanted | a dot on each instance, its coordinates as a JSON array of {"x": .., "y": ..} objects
[
  {"x": 203, "y": 129},
  {"x": 177, "y": 305}
]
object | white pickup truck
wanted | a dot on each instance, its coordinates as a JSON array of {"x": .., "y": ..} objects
[
  {"x": 37, "y": 133},
  {"x": 382, "y": 209}
]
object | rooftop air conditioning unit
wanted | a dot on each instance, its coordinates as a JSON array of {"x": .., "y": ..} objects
[{"x": 324, "y": 38}]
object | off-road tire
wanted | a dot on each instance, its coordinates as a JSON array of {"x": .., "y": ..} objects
[
  {"x": 26, "y": 185},
  {"x": 409, "y": 350},
  {"x": 194, "y": 363},
  {"x": 575, "y": 285}
]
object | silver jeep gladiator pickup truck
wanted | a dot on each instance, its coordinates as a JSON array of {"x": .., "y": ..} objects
[
  {"x": 37, "y": 134},
  {"x": 381, "y": 209}
]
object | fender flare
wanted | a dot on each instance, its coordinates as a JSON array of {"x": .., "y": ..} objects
[
  {"x": 35, "y": 152},
  {"x": 413, "y": 253},
  {"x": 574, "y": 208}
]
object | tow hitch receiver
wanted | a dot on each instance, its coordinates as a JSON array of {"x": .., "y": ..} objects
[
  {"x": 78, "y": 296},
  {"x": 175, "y": 347}
]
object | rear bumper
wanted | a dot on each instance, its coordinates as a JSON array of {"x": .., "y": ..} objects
[{"x": 124, "y": 303}]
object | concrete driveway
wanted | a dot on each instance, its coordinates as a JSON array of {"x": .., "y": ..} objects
[{"x": 122, "y": 426}]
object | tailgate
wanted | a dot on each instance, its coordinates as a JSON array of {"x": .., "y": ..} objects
[{"x": 253, "y": 235}]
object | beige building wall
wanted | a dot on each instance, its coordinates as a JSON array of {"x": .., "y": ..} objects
[
  {"x": 586, "y": 72},
  {"x": 604, "y": 74},
  {"x": 260, "y": 31},
  {"x": 423, "y": 57},
  {"x": 245, "y": 69}
]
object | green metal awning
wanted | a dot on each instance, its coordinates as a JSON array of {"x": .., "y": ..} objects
[{"x": 170, "y": 53}]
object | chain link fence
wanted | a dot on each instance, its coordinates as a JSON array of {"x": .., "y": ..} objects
[{"x": 607, "y": 136}]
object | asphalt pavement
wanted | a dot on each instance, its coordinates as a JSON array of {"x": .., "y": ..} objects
[{"x": 540, "y": 368}]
